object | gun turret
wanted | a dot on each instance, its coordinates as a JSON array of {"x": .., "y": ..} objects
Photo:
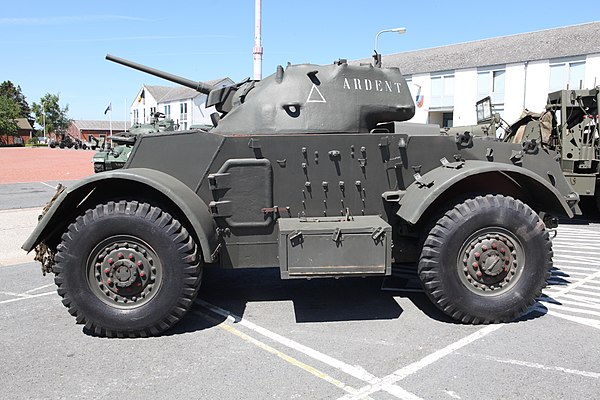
[
  {"x": 304, "y": 98},
  {"x": 199, "y": 86}
]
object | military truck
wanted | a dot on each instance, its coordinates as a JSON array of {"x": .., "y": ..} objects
[
  {"x": 568, "y": 125},
  {"x": 313, "y": 171},
  {"x": 116, "y": 156}
]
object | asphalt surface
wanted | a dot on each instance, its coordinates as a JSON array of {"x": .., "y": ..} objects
[{"x": 252, "y": 336}]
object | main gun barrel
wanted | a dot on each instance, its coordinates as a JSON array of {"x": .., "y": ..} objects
[{"x": 198, "y": 86}]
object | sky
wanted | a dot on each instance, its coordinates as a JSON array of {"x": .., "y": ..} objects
[{"x": 59, "y": 47}]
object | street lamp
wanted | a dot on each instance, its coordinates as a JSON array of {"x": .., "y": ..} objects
[{"x": 377, "y": 56}]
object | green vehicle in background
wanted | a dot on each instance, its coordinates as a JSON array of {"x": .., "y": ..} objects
[
  {"x": 116, "y": 156},
  {"x": 568, "y": 125}
]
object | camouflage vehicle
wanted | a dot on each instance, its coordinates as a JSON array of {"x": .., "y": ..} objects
[
  {"x": 116, "y": 156},
  {"x": 310, "y": 170}
]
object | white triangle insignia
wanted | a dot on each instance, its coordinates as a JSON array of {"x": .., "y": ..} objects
[{"x": 316, "y": 98}]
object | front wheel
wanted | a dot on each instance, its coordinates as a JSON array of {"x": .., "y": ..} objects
[
  {"x": 127, "y": 269},
  {"x": 486, "y": 260}
]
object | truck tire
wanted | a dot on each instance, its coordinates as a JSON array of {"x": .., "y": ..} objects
[
  {"x": 127, "y": 269},
  {"x": 98, "y": 167},
  {"x": 486, "y": 260}
]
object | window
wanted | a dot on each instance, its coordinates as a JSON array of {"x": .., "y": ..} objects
[
  {"x": 168, "y": 111},
  {"x": 136, "y": 116},
  {"x": 447, "y": 120},
  {"x": 183, "y": 115},
  {"x": 490, "y": 82},
  {"x": 565, "y": 74},
  {"x": 183, "y": 111},
  {"x": 152, "y": 111},
  {"x": 442, "y": 90}
]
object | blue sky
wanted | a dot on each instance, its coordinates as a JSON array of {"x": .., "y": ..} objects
[{"x": 59, "y": 46}]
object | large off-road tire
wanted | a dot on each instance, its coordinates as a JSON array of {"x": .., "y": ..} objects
[
  {"x": 486, "y": 260},
  {"x": 127, "y": 269},
  {"x": 99, "y": 167}
]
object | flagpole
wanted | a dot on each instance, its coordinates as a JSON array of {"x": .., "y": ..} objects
[{"x": 125, "y": 119}]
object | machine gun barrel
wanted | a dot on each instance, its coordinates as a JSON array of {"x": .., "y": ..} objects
[{"x": 198, "y": 86}]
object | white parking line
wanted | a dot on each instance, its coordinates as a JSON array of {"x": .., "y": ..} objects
[
  {"x": 352, "y": 370},
  {"x": 27, "y": 298},
  {"x": 44, "y": 183},
  {"x": 38, "y": 288},
  {"x": 424, "y": 362},
  {"x": 548, "y": 308},
  {"x": 528, "y": 364},
  {"x": 15, "y": 294},
  {"x": 319, "y": 374}
]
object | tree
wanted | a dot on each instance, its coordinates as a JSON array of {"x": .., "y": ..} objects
[
  {"x": 48, "y": 111},
  {"x": 8, "y": 90},
  {"x": 9, "y": 112}
]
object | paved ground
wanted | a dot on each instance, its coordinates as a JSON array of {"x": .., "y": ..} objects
[
  {"x": 253, "y": 336},
  {"x": 42, "y": 164}
]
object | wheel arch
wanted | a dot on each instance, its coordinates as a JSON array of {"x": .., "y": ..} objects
[
  {"x": 140, "y": 184},
  {"x": 442, "y": 185}
]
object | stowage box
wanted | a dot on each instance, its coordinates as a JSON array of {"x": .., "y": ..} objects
[{"x": 330, "y": 246}]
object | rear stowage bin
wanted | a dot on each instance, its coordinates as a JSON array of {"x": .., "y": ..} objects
[{"x": 329, "y": 246}]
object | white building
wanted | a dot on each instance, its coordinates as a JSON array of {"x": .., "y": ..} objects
[
  {"x": 517, "y": 71},
  {"x": 184, "y": 105}
]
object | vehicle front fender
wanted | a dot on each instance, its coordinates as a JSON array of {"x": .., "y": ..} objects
[
  {"x": 189, "y": 205},
  {"x": 499, "y": 178}
]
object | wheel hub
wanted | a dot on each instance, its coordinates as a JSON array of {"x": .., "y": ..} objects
[
  {"x": 490, "y": 261},
  {"x": 125, "y": 271}
]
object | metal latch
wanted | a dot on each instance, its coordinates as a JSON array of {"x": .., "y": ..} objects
[
  {"x": 337, "y": 235},
  {"x": 516, "y": 157},
  {"x": 451, "y": 165},
  {"x": 219, "y": 181},
  {"x": 254, "y": 143},
  {"x": 296, "y": 238},
  {"x": 422, "y": 182},
  {"x": 377, "y": 233},
  {"x": 384, "y": 142},
  {"x": 220, "y": 208}
]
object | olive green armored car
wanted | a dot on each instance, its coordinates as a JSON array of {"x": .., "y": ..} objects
[
  {"x": 313, "y": 171},
  {"x": 116, "y": 156}
]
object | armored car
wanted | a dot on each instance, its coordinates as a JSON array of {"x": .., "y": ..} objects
[{"x": 313, "y": 170}]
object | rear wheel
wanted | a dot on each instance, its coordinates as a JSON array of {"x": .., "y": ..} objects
[
  {"x": 486, "y": 260},
  {"x": 127, "y": 269},
  {"x": 99, "y": 167}
]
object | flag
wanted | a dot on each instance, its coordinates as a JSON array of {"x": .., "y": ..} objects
[
  {"x": 141, "y": 96},
  {"x": 420, "y": 100},
  {"x": 109, "y": 108}
]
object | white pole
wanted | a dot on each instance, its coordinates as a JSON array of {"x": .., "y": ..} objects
[
  {"x": 258, "y": 50},
  {"x": 125, "y": 114}
]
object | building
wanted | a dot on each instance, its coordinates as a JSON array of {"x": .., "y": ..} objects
[
  {"x": 516, "y": 71},
  {"x": 184, "y": 105},
  {"x": 83, "y": 129},
  {"x": 24, "y": 133}
]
